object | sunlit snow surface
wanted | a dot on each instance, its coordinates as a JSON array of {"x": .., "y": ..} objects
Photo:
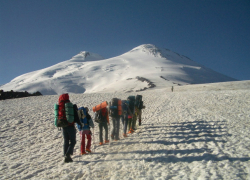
[{"x": 196, "y": 132}]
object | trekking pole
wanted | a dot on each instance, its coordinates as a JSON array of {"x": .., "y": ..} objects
[
  {"x": 80, "y": 144},
  {"x": 109, "y": 134},
  {"x": 93, "y": 140},
  {"x": 120, "y": 129},
  {"x": 137, "y": 122}
]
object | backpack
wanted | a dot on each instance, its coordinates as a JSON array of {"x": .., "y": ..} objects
[
  {"x": 100, "y": 106},
  {"x": 99, "y": 118},
  {"x": 82, "y": 116},
  {"x": 131, "y": 102},
  {"x": 64, "y": 112},
  {"x": 113, "y": 107},
  {"x": 138, "y": 101},
  {"x": 69, "y": 111},
  {"x": 124, "y": 107},
  {"x": 56, "y": 106}
]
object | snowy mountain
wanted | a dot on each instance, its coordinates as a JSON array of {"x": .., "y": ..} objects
[{"x": 141, "y": 68}]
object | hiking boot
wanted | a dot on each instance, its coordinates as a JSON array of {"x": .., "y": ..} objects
[
  {"x": 130, "y": 132},
  {"x": 68, "y": 159},
  {"x": 125, "y": 135},
  {"x": 106, "y": 141},
  {"x": 83, "y": 153},
  {"x": 88, "y": 150},
  {"x": 101, "y": 143}
]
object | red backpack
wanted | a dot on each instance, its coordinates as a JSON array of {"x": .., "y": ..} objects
[{"x": 62, "y": 120}]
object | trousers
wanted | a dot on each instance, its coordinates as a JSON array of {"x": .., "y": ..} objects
[
  {"x": 116, "y": 127},
  {"x": 69, "y": 135},
  {"x": 87, "y": 134},
  {"x": 103, "y": 125}
]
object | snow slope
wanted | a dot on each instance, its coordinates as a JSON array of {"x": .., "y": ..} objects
[
  {"x": 196, "y": 132},
  {"x": 88, "y": 72}
]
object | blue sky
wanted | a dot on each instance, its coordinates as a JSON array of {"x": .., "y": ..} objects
[{"x": 35, "y": 34}]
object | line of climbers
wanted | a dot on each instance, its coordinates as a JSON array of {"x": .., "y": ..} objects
[{"x": 67, "y": 114}]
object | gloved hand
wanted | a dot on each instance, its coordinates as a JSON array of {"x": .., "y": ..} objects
[{"x": 90, "y": 132}]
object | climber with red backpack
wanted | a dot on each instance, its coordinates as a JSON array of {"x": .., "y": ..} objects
[{"x": 65, "y": 117}]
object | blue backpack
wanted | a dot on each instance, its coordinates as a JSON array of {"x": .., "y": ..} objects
[{"x": 82, "y": 112}]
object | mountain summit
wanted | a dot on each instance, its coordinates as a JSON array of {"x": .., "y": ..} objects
[
  {"x": 149, "y": 49},
  {"x": 141, "y": 68},
  {"x": 86, "y": 56}
]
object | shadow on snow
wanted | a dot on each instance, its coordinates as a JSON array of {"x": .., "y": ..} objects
[{"x": 187, "y": 133}]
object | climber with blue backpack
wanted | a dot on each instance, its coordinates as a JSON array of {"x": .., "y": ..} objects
[{"x": 84, "y": 130}]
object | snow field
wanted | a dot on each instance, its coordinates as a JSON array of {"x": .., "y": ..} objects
[{"x": 184, "y": 135}]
